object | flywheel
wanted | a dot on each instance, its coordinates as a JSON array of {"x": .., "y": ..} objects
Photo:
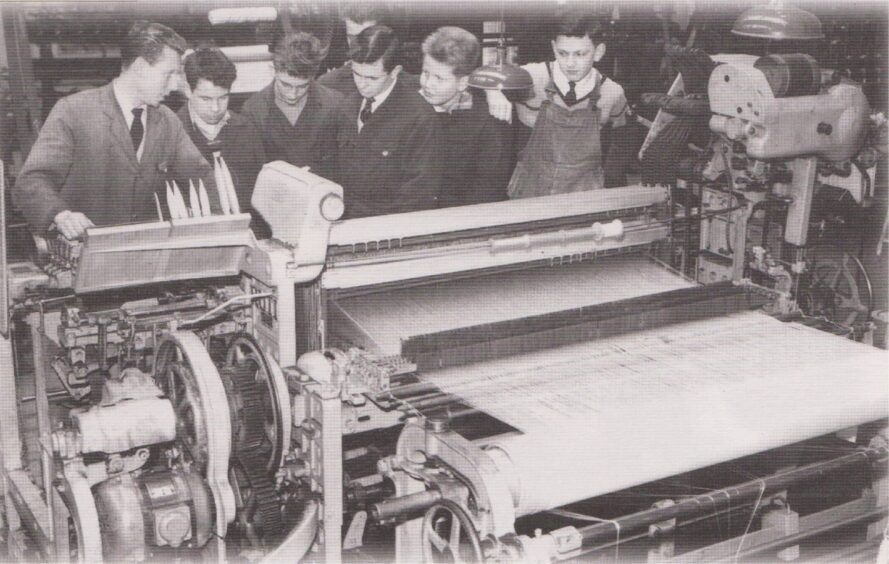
[{"x": 186, "y": 374}]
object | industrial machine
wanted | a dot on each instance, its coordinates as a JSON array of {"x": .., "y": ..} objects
[
  {"x": 793, "y": 150},
  {"x": 493, "y": 382}
]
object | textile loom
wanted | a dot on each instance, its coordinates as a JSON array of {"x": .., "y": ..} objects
[{"x": 518, "y": 381}]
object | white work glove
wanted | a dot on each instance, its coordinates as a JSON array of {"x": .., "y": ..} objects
[
  {"x": 71, "y": 224},
  {"x": 499, "y": 106}
]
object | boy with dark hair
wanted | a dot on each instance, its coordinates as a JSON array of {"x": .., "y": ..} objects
[
  {"x": 296, "y": 116},
  {"x": 478, "y": 147},
  {"x": 215, "y": 129},
  {"x": 357, "y": 16},
  {"x": 571, "y": 103},
  {"x": 390, "y": 154},
  {"x": 104, "y": 153}
]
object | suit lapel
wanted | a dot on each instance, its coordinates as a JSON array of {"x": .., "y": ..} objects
[{"x": 118, "y": 125}]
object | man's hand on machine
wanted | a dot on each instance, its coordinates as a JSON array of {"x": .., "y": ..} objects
[
  {"x": 71, "y": 224},
  {"x": 499, "y": 106}
]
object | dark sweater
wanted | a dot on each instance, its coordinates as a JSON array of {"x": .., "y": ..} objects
[
  {"x": 479, "y": 156},
  {"x": 311, "y": 141},
  {"x": 240, "y": 145},
  {"x": 394, "y": 164}
]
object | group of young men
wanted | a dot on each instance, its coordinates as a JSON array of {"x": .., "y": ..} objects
[{"x": 396, "y": 142}]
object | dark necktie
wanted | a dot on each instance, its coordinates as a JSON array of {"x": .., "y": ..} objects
[
  {"x": 571, "y": 97},
  {"x": 366, "y": 111},
  {"x": 137, "y": 130}
]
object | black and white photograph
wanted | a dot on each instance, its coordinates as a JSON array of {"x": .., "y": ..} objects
[{"x": 444, "y": 281}]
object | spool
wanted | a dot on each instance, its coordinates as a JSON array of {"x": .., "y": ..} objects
[{"x": 795, "y": 74}]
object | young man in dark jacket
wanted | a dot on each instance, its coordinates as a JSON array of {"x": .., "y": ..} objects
[
  {"x": 215, "y": 129},
  {"x": 296, "y": 116},
  {"x": 478, "y": 148},
  {"x": 390, "y": 155}
]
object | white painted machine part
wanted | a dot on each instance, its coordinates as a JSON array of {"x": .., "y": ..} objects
[
  {"x": 290, "y": 200},
  {"x": 217, "y": 421},
  {"x": 220, "y": 185},
  {"x": 242, "y": 15},
  {"x": 233, "y": 204}
]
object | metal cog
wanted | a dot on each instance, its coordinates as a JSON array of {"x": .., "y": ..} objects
[{"x": 261, "y": 506}]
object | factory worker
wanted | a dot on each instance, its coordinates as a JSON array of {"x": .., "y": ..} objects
[
  {"x": 391, "y": 150},
  {"x": 213, "y": 128},
  {"x": 571, "y": 103},
  {"x": 296, "y": 116},
  {"x": 478, "y": 147},
  {"x": 103, "y": 154}
]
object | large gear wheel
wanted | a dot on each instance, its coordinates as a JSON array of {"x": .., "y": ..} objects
[
  {"x": 259, "y": 508},
  {"x": 259, "y": 403},
  {"x": 260, "y": 423}
]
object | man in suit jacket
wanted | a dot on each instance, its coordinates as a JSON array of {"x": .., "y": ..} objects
[
  {"x": 103, "y": 153},
  {"x": 390, "y": 155},
  {"x": 296, "y": 116},
  {"x": 213, "y": 128}
]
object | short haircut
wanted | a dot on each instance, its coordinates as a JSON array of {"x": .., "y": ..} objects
[
  {"x": 299, "y": 54},
  {"x": 455, "y": 47},
  {"x": 147, "y": 40},
  {"x": 210, "y": 64},
  {"x": 579, "y": 24},
  {"x": 360, "y": 12},
  {"x": 378, "y": 42}
]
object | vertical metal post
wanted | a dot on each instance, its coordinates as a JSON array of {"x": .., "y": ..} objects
[
  {"x": 43, "y": 423},
  {"x": 4, "y": 258},
  {"x": 802, "y": 188},
  {"x": 10, "y": 442},
  {"x": 323, "y": 442},
  {"x": 26, "y": 100},
  {"x": 332, "y": 479}
]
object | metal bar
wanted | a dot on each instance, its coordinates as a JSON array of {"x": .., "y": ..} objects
[
  {"x": 795, "y": 539},
  {"x": 406, "y": 507},
  {"x": 711, "y": 501},
  {"x": 4, "y": 257},
  {"x": 49, "y": 395},
  {"x": 10, "y": 441},
  {"x": 26, "y": 99},
  {"x": 452, "y": 413},
  {"x": 31, "y": 508},
  {"x": 47, "y": 469},
  {"x": 865, "y": 551},
  {"x": 436, "y": 401},
  {"x": 410, "y": 389}
]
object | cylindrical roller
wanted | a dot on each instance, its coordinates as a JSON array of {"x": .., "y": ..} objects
[
  {"x": 795, "y": 74},
  {"x": 125, "y": 425},
  {"x": 406, "y": 506}
]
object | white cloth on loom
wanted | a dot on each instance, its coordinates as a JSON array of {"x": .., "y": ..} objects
[
  {"x": 381, "y": 322},
  {"x": 606, "y": 415}
]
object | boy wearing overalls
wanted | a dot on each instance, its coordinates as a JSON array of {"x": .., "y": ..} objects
[{"x": 570, "y": 105}]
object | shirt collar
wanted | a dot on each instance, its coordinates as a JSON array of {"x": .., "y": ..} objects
[
  {"x": 463, "y": 102},
  {"x": 125, "y": 101},
  {"x": 208, "y": 130},
  {"x": 582, "y": 87},
  {"x": 381, "y": 97}
]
